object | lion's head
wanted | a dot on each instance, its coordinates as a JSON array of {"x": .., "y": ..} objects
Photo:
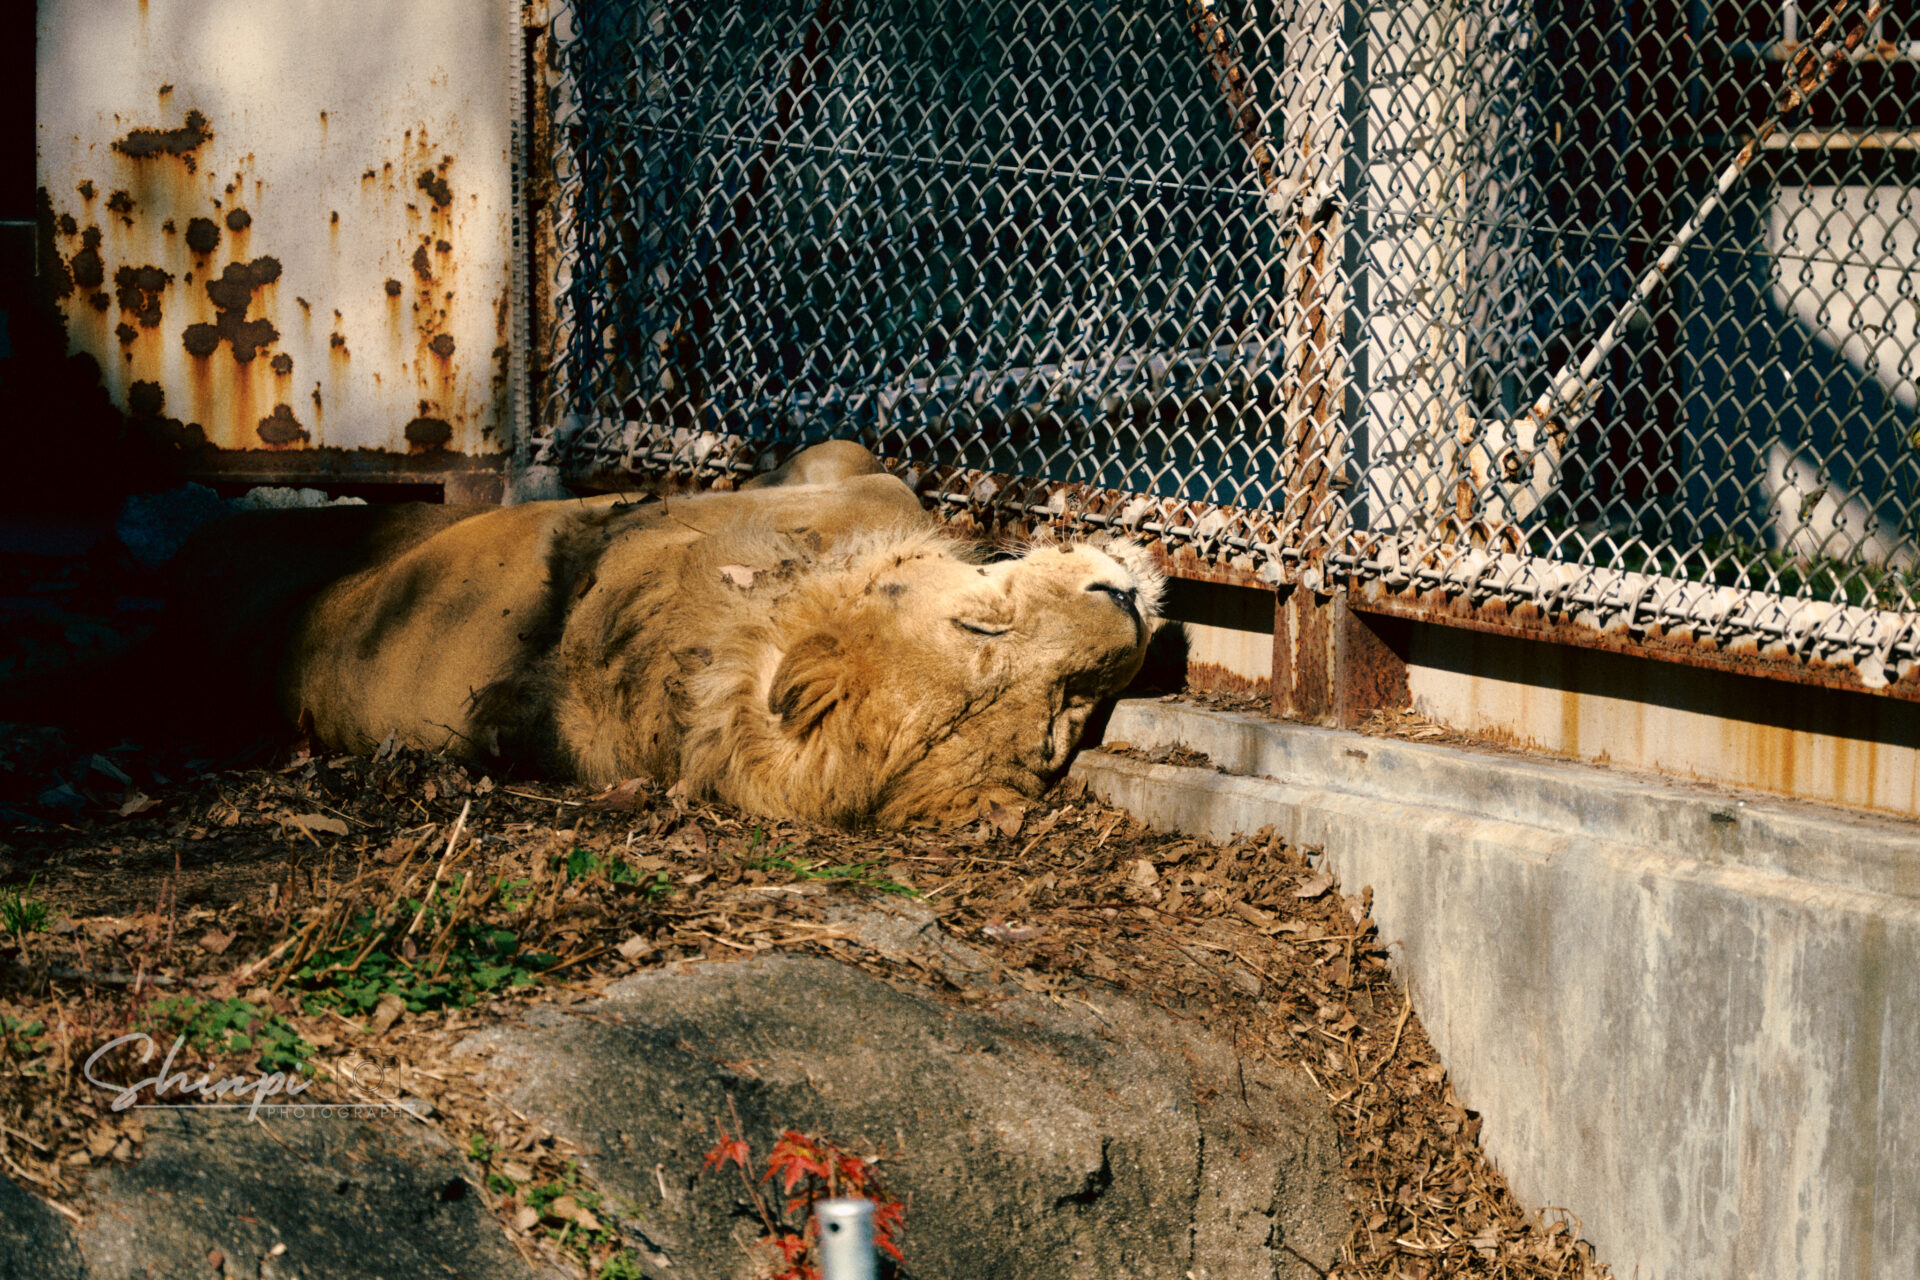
[{"x": 905, "y": 681}]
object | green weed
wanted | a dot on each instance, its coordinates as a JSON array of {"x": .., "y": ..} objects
[
  {"x": 584, "y": 864},
  {"x": 21, "y": 913},
  {"x": 448, "y": 961},
  {"x": 233, "y": 1025},
  {"x": 592, "y": 1237},
  {"x": 23, "y": 1043},
  {"x": 860, "y": 873}
]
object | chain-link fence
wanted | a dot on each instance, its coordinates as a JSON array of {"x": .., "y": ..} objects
[{"x": 1393, "y": 289}]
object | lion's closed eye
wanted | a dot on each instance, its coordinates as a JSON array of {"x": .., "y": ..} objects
[
  {"x": 981, "y": 627},
  {"x": 1126, "y": 597}
]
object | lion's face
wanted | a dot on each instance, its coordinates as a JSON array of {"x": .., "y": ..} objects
[{"x": 938, "y": 683}]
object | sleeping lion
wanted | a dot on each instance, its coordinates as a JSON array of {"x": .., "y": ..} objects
[{"x": 811, "y": 645}]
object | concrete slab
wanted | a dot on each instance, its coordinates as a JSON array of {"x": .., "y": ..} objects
[{"x": 1686, "y": 1013}]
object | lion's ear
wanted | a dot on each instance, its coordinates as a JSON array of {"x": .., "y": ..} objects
[{"x": 808, "y": 681}]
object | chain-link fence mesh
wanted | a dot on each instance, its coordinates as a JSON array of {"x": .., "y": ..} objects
[{"x": 1334, "y": 276}]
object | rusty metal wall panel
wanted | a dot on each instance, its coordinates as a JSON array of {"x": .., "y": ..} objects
[
  {"x": 1716, "y": 725},
  {"x": 286, "y": 226}
]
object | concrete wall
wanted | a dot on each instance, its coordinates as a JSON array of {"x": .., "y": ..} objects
[{"x": 1687, "y": 1014}]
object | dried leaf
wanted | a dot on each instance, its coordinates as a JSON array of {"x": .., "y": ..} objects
[
  {"x": 526, "y": 1219},
  {"x": 1313, "y": 888},
  {"x": 567, "y": 1209},
  {"x": 216, "y": 942},
  {"x": 634, "y": 948},
  {"x": 311, "y": 822},
  {"x": 1253, "y": 915},
  {"x": 1141, "y": 872},
  {"x": 691, "y": 838},
  {"x": 1005, "y": 817},
  {"x": 629, "y": 795},
  {"x": 136, "y": 802},
  {"x": 387, "y": 1012},
  {"x": 1013, "y": 933}
]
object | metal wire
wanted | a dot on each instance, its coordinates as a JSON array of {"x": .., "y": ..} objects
[{"x": 1307, "y": 262}]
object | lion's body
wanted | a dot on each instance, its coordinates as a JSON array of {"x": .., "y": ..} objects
[{"x": 811, "y": 645}]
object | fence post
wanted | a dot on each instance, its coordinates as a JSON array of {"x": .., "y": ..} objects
[{"x": 1334, "y": 665}]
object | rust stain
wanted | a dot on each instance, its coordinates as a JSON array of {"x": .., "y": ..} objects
[
  {"x": 1211, "y": 677},
  {"x": 282, "y": 364},
  {"x": 87, "y": 268},
  {"x": 57, "y": 276},
  {"x": 1229, "y": 72},
  {"x": 434, "y": 183},
  {"x": 428, "y": 435},
  {"x": 232, "y": 295},
  {"x": 138, "y": 291},
  {"x": 146, "y": 399},
  {"x": 280, "y": 428},
  {"x": 1304, "y": 642},
  {"x": 1369, "y": 663},
  {"x": 144, "y": 144},
  {"x": 86, "y": 190},
  {"x": 203, "y": 235},
  {"x": 442, "y": 345},
  {"x": 120, "y": 202},
  {"x": 238, "y": 219}
]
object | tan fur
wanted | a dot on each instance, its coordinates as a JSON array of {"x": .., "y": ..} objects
[{"x": 812, "y": 646}]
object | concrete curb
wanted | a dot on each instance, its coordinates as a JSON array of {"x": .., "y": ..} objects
[{"x": 1687, "y": 1014}]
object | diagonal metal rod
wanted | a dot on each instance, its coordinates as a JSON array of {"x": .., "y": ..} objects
[{"x": 1570, "y": 394}]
